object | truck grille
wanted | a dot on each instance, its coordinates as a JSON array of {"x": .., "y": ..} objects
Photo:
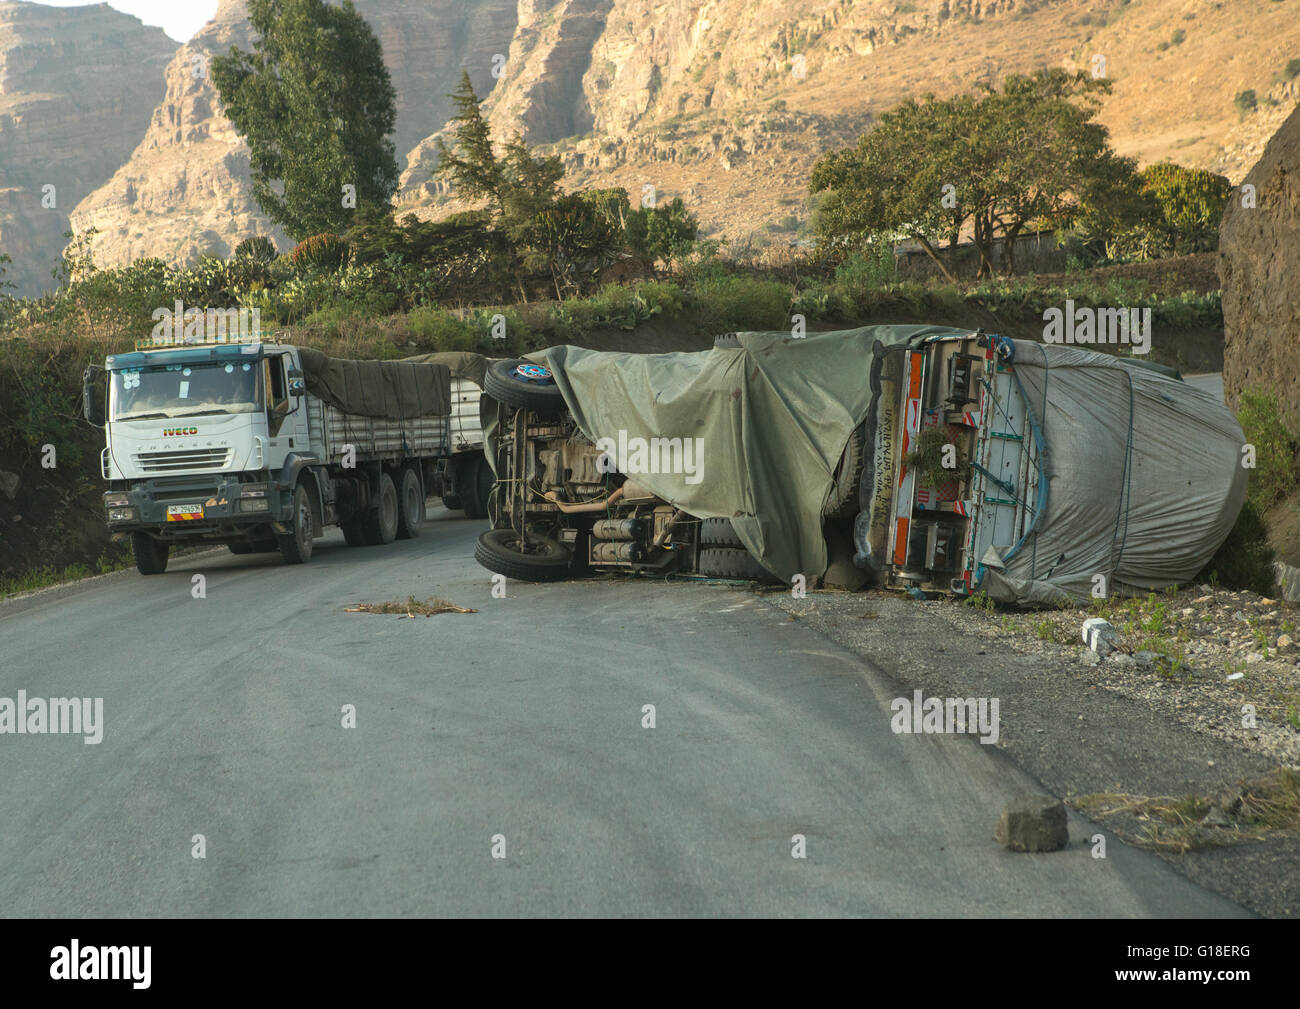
[{"x": 183, "y": 459}]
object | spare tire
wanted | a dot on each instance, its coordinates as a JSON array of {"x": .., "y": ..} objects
[
  {"x": 728, "y": 562},
  {"x": 546, "y": 559},
  {"x": 843, "y": 500},
  {"x": 476, "y": 480},
  {"x": 524, "y": 385}
]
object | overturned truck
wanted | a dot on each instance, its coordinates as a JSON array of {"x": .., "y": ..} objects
[{"x": 958, "y": 461}]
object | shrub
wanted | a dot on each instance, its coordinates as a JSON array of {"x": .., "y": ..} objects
[
  {"x": 259, "y": 249},
  {"x": 1275, "y": 474},
  {"x": 739, "y": 303},
  {"x": 321, "y": 252}
]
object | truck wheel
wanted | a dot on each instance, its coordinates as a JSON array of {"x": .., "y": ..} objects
[
  {"x": 410, "y": 503},
  {"x": 524, "y": 384},
  {"x": 719, "y": 533},
  {"x": 477, "y": 485},
  {"x": 843, "y": 502},
  {"x": 546, "y": 560},
  {"x": 150, "y": 554},
  {"x": 253, "y": 546},
  {"x": 295, "y": 548},
  {"x": 728, "y": 562},
  {"x": 379, "y": 523}
]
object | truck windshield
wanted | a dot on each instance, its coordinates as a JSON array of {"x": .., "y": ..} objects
[{"x": 181, "y": 390}]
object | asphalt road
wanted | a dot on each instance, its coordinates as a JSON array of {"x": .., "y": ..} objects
[{"x": 223, "y": 717}]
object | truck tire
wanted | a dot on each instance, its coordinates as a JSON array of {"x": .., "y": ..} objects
[
  {"x": 150, "y": 554},
  {"x": 254, "y": 546},
  {"x": 547, "y": 560},
  {"x": 410, "y": 503},
  {"x": 379, "y": 521},
  {"x": 524, "y": 385},
  {"x": 728, "y": 562},
  {"x": 477, "y": 487},
  {"x": 719, "y": 533},
  {"x": 295, "y": 548},
  {"x": 843, "y": 501}
]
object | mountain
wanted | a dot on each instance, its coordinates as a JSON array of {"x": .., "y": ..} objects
[
  {"x": 77, "y": 85},
  {"x": 726, "y": 103},
  {"x": 186, "y": 188}
]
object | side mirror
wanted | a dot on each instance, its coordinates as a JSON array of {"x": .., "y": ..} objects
[
  {"x": 297, "y": 387},
  {"x": 92, "y": 402}
]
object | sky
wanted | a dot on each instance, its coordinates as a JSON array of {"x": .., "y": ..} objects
[{"x": 178, "y": 18}]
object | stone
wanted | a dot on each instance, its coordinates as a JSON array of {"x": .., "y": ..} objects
[
  {"x": 1145, "y": 660},
  {"x": 1253, "y": 657},
  {"x": 1122, "y": 661},
  {"x": 1033, "y": 823},
  {"x": 1285, "y": 643},
  {"x": 1259, "y": 267},
  {"x": 1090, "y": 658},
  {"x": 1099, "y": 635},
  {"x": 8, "y": 484}
]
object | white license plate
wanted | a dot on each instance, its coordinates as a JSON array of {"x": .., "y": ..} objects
[{"x": 184, "y": 512}]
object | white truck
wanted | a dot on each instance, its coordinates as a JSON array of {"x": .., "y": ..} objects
[{"x": 260, "y": 445}]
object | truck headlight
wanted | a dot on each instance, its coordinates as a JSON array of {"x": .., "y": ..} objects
[
  {"x": 121, "y": 514},
  {"x": 116, "y": 500},
  {"x": 254, "y": 504}
]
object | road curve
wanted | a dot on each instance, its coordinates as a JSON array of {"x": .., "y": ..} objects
[{"x": 223, "y": 718}]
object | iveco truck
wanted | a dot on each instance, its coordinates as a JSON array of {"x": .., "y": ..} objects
[{"x": 260, "y": 445}]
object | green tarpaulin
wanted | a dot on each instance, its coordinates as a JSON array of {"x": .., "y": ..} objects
[{"x": 771, "y": 416}]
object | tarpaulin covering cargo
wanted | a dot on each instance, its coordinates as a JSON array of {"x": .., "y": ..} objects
[
  {"x": 1139, "y": 475},
  {"x": 395, "y": 390}
]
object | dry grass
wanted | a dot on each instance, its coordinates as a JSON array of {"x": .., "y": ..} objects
[
  {"x": 1249, "y": 811},
  {"x": 411, "y": 608}
]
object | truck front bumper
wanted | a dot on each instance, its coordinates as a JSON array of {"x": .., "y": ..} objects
[{"x": 216, "y": 507}]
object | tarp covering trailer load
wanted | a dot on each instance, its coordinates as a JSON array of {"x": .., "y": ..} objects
[{"x": 1066, "y": 464}]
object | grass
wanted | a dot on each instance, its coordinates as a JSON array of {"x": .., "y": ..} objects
[
  {"x": 411, "y": 608},
  {"x": 1252, "y": 810},
  {"x": 45, "y": 577}
]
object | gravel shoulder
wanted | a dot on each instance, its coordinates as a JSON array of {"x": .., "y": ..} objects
[{"x": 1166, "y": 724}]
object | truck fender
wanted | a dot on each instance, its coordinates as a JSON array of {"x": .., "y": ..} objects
[{"x": 305, "y": 467}]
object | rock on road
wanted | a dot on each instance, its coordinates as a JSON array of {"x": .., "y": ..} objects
[{"x": 223, "y": 718}]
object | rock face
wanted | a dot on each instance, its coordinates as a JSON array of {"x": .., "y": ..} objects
[
  {"x": 726, "y": 103},
  {"x": 186, "y": 189},
  {"x": 76, "y": 88},
  {"x": 1259, "y": 265}
]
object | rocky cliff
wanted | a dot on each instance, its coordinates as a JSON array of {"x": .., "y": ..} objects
[
  {"x": 77, "y": 86},
  {"x": 186, "y": 188},
  {"x": 726, "y": 103},
  {"x": 1259, "y": 266},
  {"x": 729, "y": 102}
]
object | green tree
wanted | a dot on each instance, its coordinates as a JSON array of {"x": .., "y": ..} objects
[
  {"x": 316, "y": 105},
  {"x": 994, "y": 162},
  {"x": 666, "y": 232}
]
